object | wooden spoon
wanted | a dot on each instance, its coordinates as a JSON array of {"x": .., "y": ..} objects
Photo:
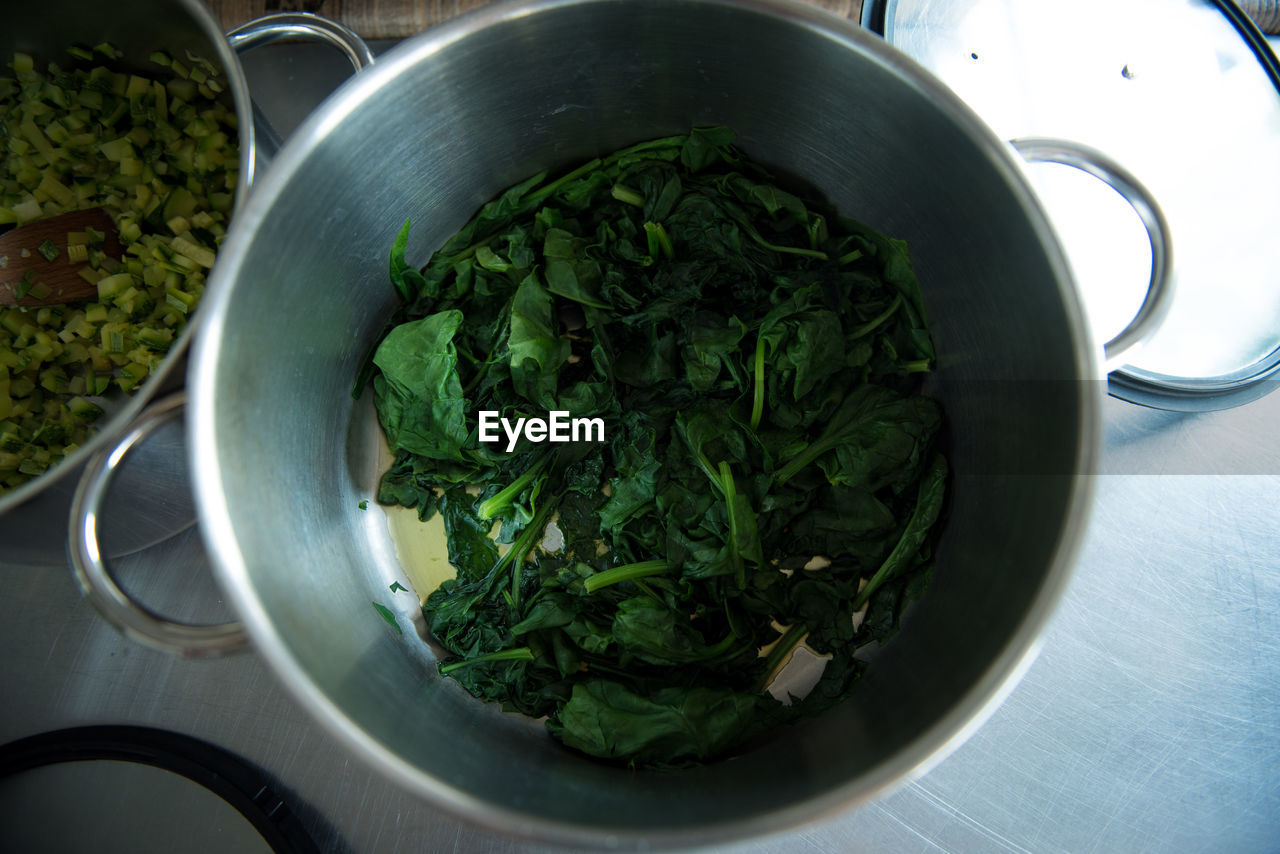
[{"x": 20, "y": 257}]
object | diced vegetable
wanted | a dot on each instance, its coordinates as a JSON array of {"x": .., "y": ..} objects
[{"x": 148, "y": 143}]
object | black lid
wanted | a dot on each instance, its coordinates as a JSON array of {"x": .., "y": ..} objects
[{"x": 106, "y": 788}]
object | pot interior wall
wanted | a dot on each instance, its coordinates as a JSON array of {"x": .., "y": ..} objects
[{"x": 446, "y": 123}]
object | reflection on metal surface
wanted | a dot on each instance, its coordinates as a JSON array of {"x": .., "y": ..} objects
[{"x": 1170, "y": 89}]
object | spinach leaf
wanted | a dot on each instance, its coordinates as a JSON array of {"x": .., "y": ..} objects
[
  {"x": 417, "y": 393},
  {"x": 408, "y": 281},
  {"x": 537, "y": 352},
  {"x": 768, "y": 460},
  {"x": 668, "y": 726}
]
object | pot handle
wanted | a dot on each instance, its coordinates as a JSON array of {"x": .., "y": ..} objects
[
  {"x": 1160, "y": 287},
  {"x": 93, "y": 574},
  {"x": 302, "y": 26}
]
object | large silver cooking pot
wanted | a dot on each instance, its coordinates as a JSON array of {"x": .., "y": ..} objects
[
  {"x": 283, "y": 457},
  {"x": 33, "y": 517}
]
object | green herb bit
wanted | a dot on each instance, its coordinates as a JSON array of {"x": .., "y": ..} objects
[
  {"x": 387, "y": 614},
  {"x": 49, "y": 250},
  {"x": 24, "y": 286}
]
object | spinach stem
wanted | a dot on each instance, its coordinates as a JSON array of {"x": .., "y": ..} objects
[
  {"x": 730, "y": 493},
  {"x": 626, "y": 195},
  {"x": 549, "y": 189},
  {"x": 516, "y": 554},
  {"x": 522, "y": 653},
  {"x": 666, "y": 142},
  {"x": 495, "y": 504},
  {"x": 802, "y": 459},
  {"x": 626, "y": 572},
  {"x": 790, "y": 250},
  {"x": 722, "y": 645},
  {"x": 922, "y": 518},
  {"x": 659, "y": 240},
  {"x": 875, "y": 322},
  {"x": 528, "y": 203},
  {"x": 817, "y": 228},
  {"x": 484, "y": 367},
  {"x": 698, "y": 457},
  {"x": 835, "y": 432},
  {"x": 785, "y": 644},
  {"x": 745, "y": 222},
  {"x": 757, "y": 398}
]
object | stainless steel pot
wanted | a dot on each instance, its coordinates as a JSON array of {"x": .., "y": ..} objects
[
  {"x": 283, "y": 457},
  {"x": 32, "y": 517}
]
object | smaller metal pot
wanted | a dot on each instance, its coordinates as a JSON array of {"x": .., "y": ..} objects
[{"x": 33, "y": 517}]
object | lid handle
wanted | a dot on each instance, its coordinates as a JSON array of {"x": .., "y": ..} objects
[{"x": 1160, "y": 287}]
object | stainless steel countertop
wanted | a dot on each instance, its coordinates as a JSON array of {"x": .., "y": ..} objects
[{"x": 1148, "y": 722}]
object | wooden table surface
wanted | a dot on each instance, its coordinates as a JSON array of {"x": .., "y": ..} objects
[{"x": 389, "y": 19}]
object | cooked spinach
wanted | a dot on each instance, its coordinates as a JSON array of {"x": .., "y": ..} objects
[{"x": 756, "y": 362}]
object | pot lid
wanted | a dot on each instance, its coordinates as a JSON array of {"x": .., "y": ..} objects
[
  {"x": 126, "y": 788},
  {"x": 1186, "y": 95}
]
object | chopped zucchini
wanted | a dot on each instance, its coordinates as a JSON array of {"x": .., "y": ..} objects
[{"x": 151, "y": 144}]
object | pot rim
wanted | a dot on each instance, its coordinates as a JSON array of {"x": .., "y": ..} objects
[{"x": 927, "y": 749}]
